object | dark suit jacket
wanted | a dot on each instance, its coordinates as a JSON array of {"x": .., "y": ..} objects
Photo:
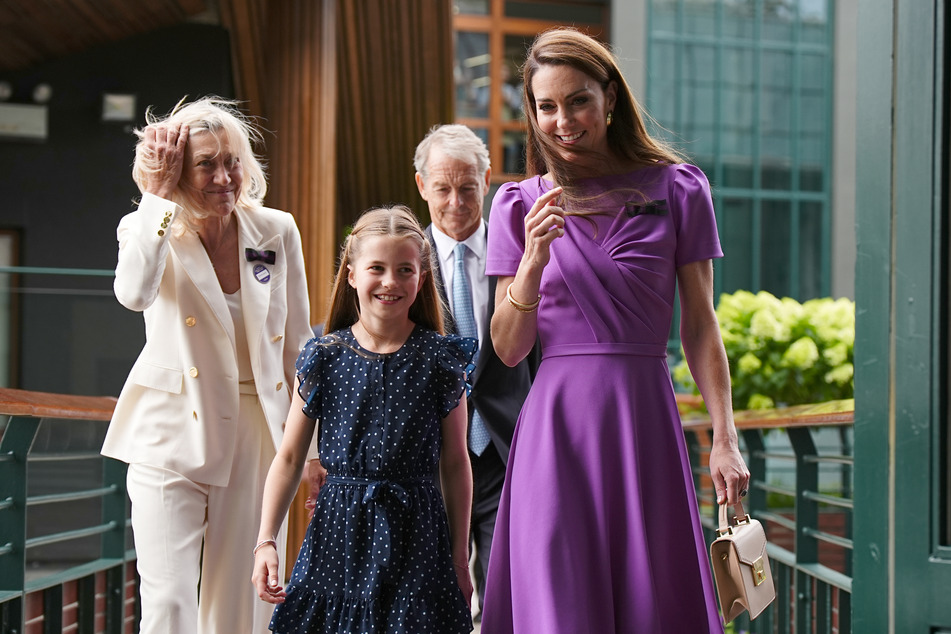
[{"x": 498, "y": 391}]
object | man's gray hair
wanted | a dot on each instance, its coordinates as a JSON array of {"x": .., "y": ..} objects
[{"x": 456, "y": 141}]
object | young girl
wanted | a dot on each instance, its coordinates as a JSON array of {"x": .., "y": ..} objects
[{"x": 388, "y": 390}]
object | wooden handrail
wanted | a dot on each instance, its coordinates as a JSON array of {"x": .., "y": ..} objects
[
  {"x": 47, "y": 405},
  {"x": 830, "y": 413}
]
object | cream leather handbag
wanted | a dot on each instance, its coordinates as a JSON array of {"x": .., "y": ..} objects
[{"x": 741, "y": 565}]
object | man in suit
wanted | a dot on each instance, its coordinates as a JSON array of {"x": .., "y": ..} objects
[{"x": 452, "y": 173}]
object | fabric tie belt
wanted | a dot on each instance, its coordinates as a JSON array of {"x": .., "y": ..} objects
[
  {"x": 598, "y": 349},
  {"x": 376, "y": 491}
]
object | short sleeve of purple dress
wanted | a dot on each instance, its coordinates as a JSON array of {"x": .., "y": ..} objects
[{"x": 598, "y": 528}]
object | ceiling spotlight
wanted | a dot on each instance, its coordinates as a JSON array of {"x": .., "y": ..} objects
[{"x": 42, "y": 93}]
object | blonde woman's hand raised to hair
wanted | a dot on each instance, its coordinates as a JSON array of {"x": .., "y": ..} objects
[{"x": 165, "y": 145}]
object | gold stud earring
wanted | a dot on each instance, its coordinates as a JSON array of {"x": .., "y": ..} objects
[{"x": 610, "y": 117}]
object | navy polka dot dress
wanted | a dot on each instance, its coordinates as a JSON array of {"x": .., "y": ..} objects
[{"x": 376, "y": 557}]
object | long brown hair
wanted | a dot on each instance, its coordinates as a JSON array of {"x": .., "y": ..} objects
[
  {"x": 399, "y": 222},
  {"x": 628, "y": 138}
]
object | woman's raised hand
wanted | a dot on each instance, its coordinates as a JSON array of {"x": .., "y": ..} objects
[
  {"x": 166, "y": 147},
  {"x": 544, "y": 223}
]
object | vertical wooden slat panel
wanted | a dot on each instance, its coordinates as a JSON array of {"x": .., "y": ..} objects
[
  {"x": 301, "y": 100},
  {"x": 246, "y": 22},
  {"x": 395, "y": 63}
]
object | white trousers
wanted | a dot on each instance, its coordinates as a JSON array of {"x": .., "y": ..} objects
[{"x": 193, "y": 541}]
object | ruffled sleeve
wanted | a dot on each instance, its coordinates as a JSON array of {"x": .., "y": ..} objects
[
  {"x": 310, "y": 364},
  {"x": 694, "y": 217},
  {"x": 454, "y": 366},
  {"x": 506, "y": 231}
]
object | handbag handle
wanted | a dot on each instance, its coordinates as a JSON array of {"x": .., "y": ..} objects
[{"x": 739, "y": 517}]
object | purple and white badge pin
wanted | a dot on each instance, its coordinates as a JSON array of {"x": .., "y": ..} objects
[{"x": 261, "y": 273}]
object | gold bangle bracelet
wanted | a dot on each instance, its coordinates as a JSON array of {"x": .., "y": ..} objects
[
  {"x": 519, "y": 306},
  {"x": 262, "y": 544}
]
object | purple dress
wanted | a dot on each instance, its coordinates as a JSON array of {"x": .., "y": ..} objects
[{"x": 598, "y": 528}]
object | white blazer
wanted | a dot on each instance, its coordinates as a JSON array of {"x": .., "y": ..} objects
[{"x": 179, "y": 406}]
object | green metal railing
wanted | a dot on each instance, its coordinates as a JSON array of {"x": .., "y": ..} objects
[
  {"x": 91, "y": 594},
  {"x": 799, "y": 457},
  {"x": 801, "y": 465}
]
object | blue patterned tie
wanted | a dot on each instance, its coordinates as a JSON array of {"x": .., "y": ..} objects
[{"x": 466, "y": 326}]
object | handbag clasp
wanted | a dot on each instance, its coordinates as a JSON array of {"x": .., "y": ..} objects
[{"x": 759, "y": 574}]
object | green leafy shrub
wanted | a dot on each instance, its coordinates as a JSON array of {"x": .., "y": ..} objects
[{"x": 782, "y": 352}]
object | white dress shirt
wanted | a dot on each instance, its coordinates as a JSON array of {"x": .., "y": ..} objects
[{"x": 475, "y": 269}]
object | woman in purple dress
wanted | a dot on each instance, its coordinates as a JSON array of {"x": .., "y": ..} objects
[{"x": 598, "y": 528}]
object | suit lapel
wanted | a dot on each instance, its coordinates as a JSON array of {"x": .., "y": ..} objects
[
  {"x": 256, "y": 278},
  {"x": 450, "y": 321},
  {"x": 194, "y": 261}
]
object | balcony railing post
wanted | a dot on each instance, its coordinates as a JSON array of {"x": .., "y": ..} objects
[
  {"x": 14, "y": 448},
  {"x": 115, "y": 511},
  {"x": 756, "y": 463},
  {"x": 807, "y": 515}
]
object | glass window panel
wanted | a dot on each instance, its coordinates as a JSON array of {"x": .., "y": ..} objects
[
  {"x": 736, "y": 239},
  {"x": 812, "y": 72},
  {"x": 701, "y": 18},
  {"x": 470, "y": 7},
  {"x": 699, "y": 63},
  {"x": 472, "y": 75},
  {"x": 662, "y": 79},
  {"x": 775, "y": 147},
  {"x": 702, "y": 140},
  {"x": 775, "y": 248},
  {"x": 810, "y": 250},
  {"x": 582, "y": 11},
  {"x": 739, "y": 18},
  {"x": 814, "y": 11},
  {"x": 779, "y": 18},
  {"x": 776, "y": 175},
  {"x": 698, "y": 105},
  {"x": 738, "y": 64},
  {"x": 812, "y": 113},
  {"x": 771, "y": 126},
  {"x": 664, "y": 16},
  {"x": 516, "y": 47},
  {"x": 776, "y": 69},
  {"x": 482, "y": 133},
  {"x": 814, "y": 32},
  {"x": 737, "y": 172},
  {"x": 663, "y": 63},
  {"x": 776, "y": 105},
  {"x": 811, "y": 178},
  {"x": 812, "y": 149},
  {"x": 513, "y": 152},
  {"x": 737, "y": 103}
]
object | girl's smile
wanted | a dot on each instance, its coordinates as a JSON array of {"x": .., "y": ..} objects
[{"x": 387, "y": 274}]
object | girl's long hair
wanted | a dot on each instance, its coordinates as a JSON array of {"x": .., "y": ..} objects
[
  {"x": 399, "y": 222},
  {"x": 628, "y": 138}
]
